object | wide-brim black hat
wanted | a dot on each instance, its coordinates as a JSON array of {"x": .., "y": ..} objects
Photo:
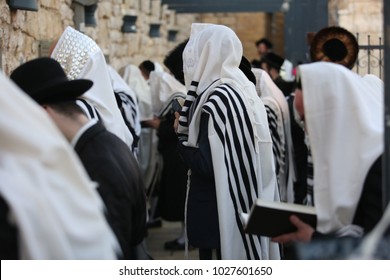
[
  {"x": 273, "y": 60},
  {"x": 335, "y": 44},
  {"x": 44, "y": 80}
]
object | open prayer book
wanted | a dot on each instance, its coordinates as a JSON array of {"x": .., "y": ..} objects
[{"x": 269, "y": 218}]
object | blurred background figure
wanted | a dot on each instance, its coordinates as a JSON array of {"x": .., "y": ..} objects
[
  {"x": 146, "y": 67},
  {"x": 172, "y": 187},
  {"x": 263, "y": 46},
  {"x": 279, "y": 125},
  {"x": 148, "y": 155},
  {"x": 272, "y": 64},
  {"x": 127, "y": 104}
]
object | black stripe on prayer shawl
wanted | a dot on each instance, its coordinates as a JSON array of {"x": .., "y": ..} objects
[
  {"x": 276, "y": 142},
  {"x": 236, "y": 210},
  {"x": 191, "y": 97},
  {"x": 128, "y": 100},
  {"x": 184, "y": 113},
  {"x": 89, "y": 110},
  {"x": 238, "y": 142},
  {"x": 230, "y": 147},
  {"x": 238, "y": 222},
  {"x": 129, "y": 114}
]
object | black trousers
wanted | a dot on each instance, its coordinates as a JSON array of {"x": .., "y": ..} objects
[{"x": 207, "y": 254}]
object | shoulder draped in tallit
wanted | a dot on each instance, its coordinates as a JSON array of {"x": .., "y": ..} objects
[
  {"x": 344, "y": 121},
  {"x": 52, "y": 201}
]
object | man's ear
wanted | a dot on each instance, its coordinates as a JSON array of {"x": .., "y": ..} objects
[
  {"x": 48, "y": 109},
  {"x": 45, "y": 107}
]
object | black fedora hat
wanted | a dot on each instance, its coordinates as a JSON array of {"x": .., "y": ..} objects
[
  {"x": 44, "y": 80},
  {"x": 334, "y": 44}
]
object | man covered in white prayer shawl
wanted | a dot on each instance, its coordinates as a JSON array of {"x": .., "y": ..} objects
[
  {"x": 147, "y": 151},
  {"x": 133, "y": 77},
  {"x": 226, "y": 142},
  {"x": 81, "y": 57},
  {"x": 128, "y": 105},
  {"x": 279, "y": 124},
  {"x": 343, "y": 117},
  {"x": 49, "y": 209},
  {"x": 164, "y": 89}
]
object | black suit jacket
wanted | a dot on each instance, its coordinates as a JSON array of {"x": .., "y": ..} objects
[{"x": 109, "y": 162}]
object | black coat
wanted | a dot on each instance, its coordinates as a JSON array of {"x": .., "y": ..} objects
[
  {"x": 300, "y": 155},
  {"x": 110, "y": 163},
  {"x": 172, "y": 188},
  {"x": 202, "y": 211},
  {"x": 8, "y": 234},
  {"x": 286, "y": 87}
]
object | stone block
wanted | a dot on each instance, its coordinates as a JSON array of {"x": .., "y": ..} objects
[
  {"x": 104, "y": 10},
  {"x": 52, "y": 4},
  {"x": 146, "y": 6},
  {"x": 156, "y": 9}
]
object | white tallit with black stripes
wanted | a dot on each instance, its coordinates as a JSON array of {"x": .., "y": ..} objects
[
  {"x": 279, "y": 123},
  {"x": 129, "y": 108},
  {"x": 238, "y": 132}
]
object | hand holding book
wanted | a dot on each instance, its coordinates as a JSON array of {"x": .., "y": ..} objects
[
  {"x": 286, "y": 221},
  {"x": 303, "y": 233}
]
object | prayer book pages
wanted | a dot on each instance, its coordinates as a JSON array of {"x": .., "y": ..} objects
[{"x": 269, "y": 218}]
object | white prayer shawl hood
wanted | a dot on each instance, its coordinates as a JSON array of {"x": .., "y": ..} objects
[
  {"x": 163, "y": 85},
  {"x": 81, "y": 57},
  {"x": 132, "y": 75},
  {"x": 211, "y": 59},
  {"x": 274, "y": 99},
  {"x": 52, "y": 202},
  {"x": 128, "y": 97},
  {"x": 344, "y": 121}
]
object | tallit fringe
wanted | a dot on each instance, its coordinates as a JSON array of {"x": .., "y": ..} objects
[{"x": 185, "y": 215}]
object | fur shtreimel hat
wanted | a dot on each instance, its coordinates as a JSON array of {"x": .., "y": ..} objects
[
  {"x": 44, "y": 80},
  {"x": 334, "y": 44}
]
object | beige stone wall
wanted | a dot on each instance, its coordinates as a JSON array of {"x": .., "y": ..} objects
[
  {"x": 249, "y": 27},
  {"x": 277, "y": 33},
  {"x": 358, "y": 16},
  {"x": 22, "y": 31}
]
